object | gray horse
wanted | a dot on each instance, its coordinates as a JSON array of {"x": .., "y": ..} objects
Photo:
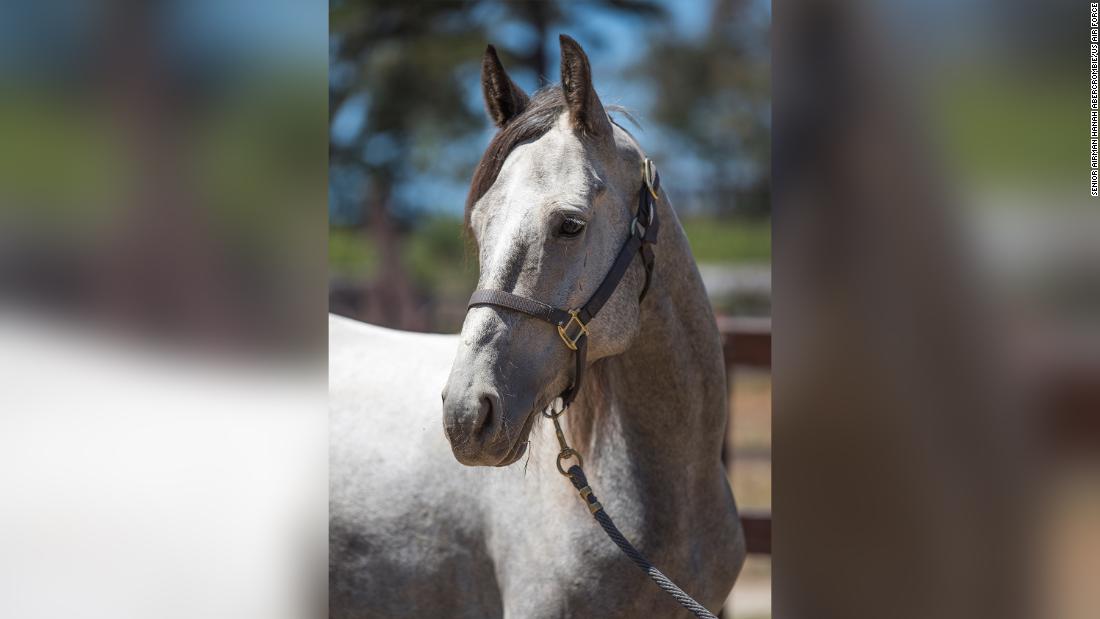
[{"x": 416, "y": 534}]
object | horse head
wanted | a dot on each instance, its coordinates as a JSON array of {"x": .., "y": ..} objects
[{"x": 550, "y": 205}]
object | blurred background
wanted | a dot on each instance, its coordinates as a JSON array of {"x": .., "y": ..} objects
[
  {"x": 937, "y": 311},
  {"x": 159, "y": 168},
  {"x": 163, "y": 427},
  {"x": 408, "y": 125}
]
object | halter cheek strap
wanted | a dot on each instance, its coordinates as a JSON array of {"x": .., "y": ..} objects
[{"x": 572, "y": 325}]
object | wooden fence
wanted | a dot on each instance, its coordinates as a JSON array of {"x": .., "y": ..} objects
[{"x": 747, "y": 342}]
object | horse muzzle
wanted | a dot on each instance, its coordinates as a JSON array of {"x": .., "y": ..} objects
[{"x": 480, "y": 429}]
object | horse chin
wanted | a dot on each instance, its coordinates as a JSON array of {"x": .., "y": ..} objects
[
  {"x": 514, "y": 454},
  {"x": 520, "y": 447}
]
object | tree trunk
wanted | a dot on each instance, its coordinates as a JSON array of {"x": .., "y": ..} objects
[{"x": 390, "y": 299}]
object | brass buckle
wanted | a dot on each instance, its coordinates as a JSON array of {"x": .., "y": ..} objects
[
  {"x": 563, "y": 330},
  {"x": 649, "y": 174}
]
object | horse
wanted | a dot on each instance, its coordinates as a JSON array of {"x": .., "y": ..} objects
[{"x": 434, "y": 517}]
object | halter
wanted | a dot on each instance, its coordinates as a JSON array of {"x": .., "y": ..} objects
[{"x": 573, "y": 324}]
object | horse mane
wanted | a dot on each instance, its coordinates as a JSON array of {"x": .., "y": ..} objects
[{"x": 541, "y": 114}]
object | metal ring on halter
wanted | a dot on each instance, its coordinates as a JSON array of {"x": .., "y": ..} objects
[
  {"x": 649, "y": 175},
  {"x": 564, "y": 455},
  {"x": 554, "y": 409}
]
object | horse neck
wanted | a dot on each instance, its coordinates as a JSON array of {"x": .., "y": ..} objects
[{"x": 661, "y": 405}]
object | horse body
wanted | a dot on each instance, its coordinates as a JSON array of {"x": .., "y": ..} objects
[
  {"x": 416, "y": 534},
  {"x": 413, "y": 532},
  {"x": 406, "y": 534}
]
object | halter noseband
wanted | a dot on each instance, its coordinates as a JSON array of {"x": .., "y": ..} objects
[{"x": 573, "y": 324}]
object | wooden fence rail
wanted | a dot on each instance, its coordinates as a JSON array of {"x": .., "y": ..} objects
[{"x": 747, "y": 342}]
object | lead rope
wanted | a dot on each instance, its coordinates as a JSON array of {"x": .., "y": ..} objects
[{"x": 576, "y": 475}]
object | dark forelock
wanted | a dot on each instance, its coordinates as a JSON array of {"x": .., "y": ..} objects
[{"x": 542, "y": 112}]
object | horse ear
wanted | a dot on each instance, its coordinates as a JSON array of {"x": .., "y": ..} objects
[
  {"x": 503, "y": 99},
  {"x": 585, "y": 110}
]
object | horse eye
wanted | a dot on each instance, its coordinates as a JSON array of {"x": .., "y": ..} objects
[{"x": 571, "y": 227}]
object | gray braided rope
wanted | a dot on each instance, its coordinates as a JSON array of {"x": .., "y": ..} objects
[{"x": 576, "y": 475}]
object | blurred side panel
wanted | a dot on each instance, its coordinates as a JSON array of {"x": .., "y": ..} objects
[
  {"x": 162, "y": 167},
  {"x": 163, "y": 441},
  {"x": 936, "y": 311}
]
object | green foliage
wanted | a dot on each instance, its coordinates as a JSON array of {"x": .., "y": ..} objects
[
  {"x": 438, "y": 259},
  {"x": 730, "y": 240},
  {"x": 351, "y": 254},
  {"x": 1028, "y": 133},
  {"x": 65, "y": 155}
]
